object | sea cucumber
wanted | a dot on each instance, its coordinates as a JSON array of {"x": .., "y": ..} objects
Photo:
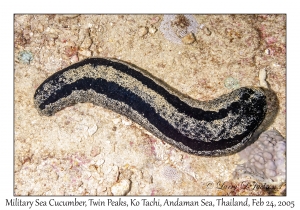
[{"x": 209, "y": 128}]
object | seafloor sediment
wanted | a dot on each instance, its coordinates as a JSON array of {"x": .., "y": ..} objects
[{"x": 89, "y": 150}]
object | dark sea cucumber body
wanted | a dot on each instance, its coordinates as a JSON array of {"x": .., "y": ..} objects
[{"x": 211, "y": 128}]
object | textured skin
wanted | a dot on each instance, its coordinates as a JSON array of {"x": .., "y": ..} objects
[{"x": 212, "y": 128}]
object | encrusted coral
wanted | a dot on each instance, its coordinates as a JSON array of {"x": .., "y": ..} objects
[
  {"x": 231, "y": 83},
  {"x": 171, "y": 173},
  {"x": 121, "y": 188},
  {"x": 264, "y": 160},
  {"x": 176, "y": 27},
  {"x": 25, "y": 57}
]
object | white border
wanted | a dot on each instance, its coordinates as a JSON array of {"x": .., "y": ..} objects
[{"x": 8, "y": 8}]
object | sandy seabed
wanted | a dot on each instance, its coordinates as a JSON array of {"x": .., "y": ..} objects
[{"x": 89, "y": 150}]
